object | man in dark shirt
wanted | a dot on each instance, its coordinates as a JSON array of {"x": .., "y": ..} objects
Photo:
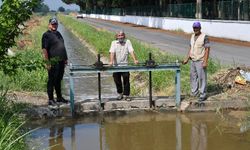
[{"x": 55, "y": 55}]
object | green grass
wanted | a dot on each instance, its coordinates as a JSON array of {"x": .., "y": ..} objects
[
  {"x": 163, "y": 82},
  {"x": 11, "y": 135},
  {"x": 30, "y": 75}
]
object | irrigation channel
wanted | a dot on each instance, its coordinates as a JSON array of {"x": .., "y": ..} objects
[
  {"x": 86, "y": 84},
  {"x": 136, "y": 130}
]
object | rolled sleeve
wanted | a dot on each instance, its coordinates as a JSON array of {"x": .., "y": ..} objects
[
  {"x": 112, "y": 47},
  {"x": 206, "y": 42},
  {"x": 130, "y": 47}
]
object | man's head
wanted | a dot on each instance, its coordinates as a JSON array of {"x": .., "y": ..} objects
[
  {"x": 120, "y": 36},
  {"x": 197, "y": 28},
  {"x": 53, "y": 24}
]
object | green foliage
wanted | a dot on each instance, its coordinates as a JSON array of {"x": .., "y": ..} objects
[
  {"x": 11, "y": 137},
  {"x": 30, "y": 74},
  {"x": 28, "y": 60},
  {"x": 61, "y": 9},
  {"x": 13, "y": 13},
  {"x": 25, "y": 72},
  {"x": 90, "y": 4},
  {"x": 41, "y": 7}
]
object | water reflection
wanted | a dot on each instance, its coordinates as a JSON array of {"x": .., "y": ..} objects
[
  {"x": 146, "y": 132},
  {"x": 199, "y": 136},
  {"x": 56, "y": 138}
]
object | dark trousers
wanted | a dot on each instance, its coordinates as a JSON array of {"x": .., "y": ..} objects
[
  {"x": 54, "y": 82},
  {"x": 122, "y": 87}
]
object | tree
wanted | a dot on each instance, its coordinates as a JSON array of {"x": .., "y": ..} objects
[
  {"x": 61, "y": 9},
  {"x": 13, "y": 14},
  {"x": 41, "y": 7}
]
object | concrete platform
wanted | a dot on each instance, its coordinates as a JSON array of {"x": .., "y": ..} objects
[{"x": 92, "y": 107}]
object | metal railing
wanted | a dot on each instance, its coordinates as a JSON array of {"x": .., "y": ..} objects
[{"x": 99, "y": 68}]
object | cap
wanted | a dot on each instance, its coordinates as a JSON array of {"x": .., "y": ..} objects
[
  {"x": 53, "y": 21},
  {"x": 197, "y": 24}
]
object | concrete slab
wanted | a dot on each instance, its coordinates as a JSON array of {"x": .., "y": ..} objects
[{"x": 122, "y": 107}]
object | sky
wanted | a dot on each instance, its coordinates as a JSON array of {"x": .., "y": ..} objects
[{"x": 55, "y": 4}]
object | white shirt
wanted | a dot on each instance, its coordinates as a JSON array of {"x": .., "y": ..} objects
[{"x": 121, "y": 52}]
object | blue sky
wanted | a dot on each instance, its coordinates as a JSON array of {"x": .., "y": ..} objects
[{"x": 55, "y": 4}]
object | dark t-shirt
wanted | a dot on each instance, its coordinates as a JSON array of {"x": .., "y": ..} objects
[{"x": 53, "y": 42}]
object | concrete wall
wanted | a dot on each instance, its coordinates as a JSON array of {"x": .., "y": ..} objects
[{"x": 238, "y": 30}]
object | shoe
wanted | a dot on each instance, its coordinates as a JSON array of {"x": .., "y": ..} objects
[
  {"x": 195, "y": 94},
  {"x": 52, "y": 103},
  {"x": 119, "y": 97},
  {"x": 202, "y": 99},
  {"x": 127, "y": 98},
  {"x": 62, "y": 100}
]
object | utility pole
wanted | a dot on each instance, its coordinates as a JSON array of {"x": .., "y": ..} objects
[
  {"x": 246, "y": 9},
  {"x": 198, "y": 14},
  {"x": 239, "y": 2}
]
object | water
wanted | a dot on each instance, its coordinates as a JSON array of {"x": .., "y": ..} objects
[{"x": 148, "y": 131}]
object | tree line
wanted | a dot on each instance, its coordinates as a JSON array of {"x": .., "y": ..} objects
[
  {"x": 208, "y": 9},
  {"x": 98, "y": 4},
  {"x": 91, "y": 4}
]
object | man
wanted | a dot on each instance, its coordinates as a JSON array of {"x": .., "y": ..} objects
[
  {"x": 119, "y": 51},
  {"x": 198, "y": 54},
  {"x": 55, "y": 55}
]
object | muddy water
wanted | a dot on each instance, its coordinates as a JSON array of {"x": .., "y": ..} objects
[
  {"x": 86, "y": 85},
  {"x": 195, "y": 131}
]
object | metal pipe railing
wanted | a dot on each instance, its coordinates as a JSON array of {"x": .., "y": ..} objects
[{"x": 99, "y": 68}]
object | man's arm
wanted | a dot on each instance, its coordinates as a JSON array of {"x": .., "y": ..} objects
[
  {"x": 207, "y": 50},
  {"x": 111, "y": 58},
  {"x": 134, "y": 57},
  {"x": 45, "y": 54},
  {"x": 131, "y": 51},
  {"x": 206, "y": 56},
  {"x": 112, "y": 53},
  {"x": 185, "y": 61},
  {"x": 46, "y": 59}
]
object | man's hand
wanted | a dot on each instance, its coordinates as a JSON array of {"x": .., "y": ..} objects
[
  {"x": 110, "y": 63},
  {"x": 65, "y": 63},
  {"x": 48, "y": 66},
  {"x": 185, "y": 61},
  {"x": 136, "y": 61},
  {"x": 204, "y": 64}
]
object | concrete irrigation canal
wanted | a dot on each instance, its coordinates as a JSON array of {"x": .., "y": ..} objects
[{"x": 95, "y": 120}]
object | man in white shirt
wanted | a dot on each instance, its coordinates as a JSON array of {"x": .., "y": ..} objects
[{"x": 119, "y": 51}]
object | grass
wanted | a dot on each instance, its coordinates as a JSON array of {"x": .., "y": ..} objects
[
  {"x": 11, "y": 135},
  {"x": 31, "y": 75},
  {"x": 163, "y": 82}
]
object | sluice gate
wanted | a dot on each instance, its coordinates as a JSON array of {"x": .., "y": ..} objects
[{"x": 148, "y": 66}]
